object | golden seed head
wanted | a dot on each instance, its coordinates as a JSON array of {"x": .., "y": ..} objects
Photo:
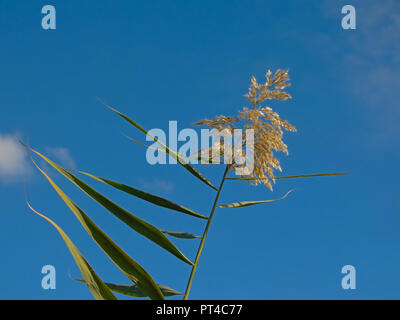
[{"x": 266, "y": 124}]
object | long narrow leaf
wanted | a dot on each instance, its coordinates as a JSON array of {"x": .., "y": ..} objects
[
  {"x": 97, "y": 287},
  {"x": 297, "y": 176},
  {"x": 135, "y": 291},
  {"x": 139, "y": 225},
  {"x": 314, "y": 175},
  {"x": 250, "y": 203},
  {"x": 181, "y": 235},
  {"x": 123, "y": 261},
  {"x": 146, "y": 196},
  {"x": 173, "y": 153}
]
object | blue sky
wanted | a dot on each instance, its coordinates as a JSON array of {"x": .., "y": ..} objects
[{"x": 184, "y": 60}]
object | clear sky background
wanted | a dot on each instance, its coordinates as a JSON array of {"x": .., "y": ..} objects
[{"x": 187, "y": 60}]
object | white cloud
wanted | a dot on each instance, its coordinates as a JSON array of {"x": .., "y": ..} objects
[
  {"x": 158, "y": 185},
  {"x": 63, "y": 155},
  {"x": 14, "y": 164},
  {"x": 372, "y": 65}
]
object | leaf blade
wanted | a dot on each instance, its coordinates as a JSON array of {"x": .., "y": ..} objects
[
  {"x": 145, "y": 196},
  {"x": 96, "y": 286},
  {"x": 137, "y": 224},
  {"x": 251, "y": 203},
  {"x": 173, "y": 153},
  {"x": 134, "y": 291},
  {"x": 297, "y": 176},
  {"x": 314, "y": 175},
  {"x": 181, "y": 235},
  {"x": 123, "y": 261}
]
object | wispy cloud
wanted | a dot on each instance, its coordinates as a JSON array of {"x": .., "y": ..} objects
[
  {"x": 158, "y": 185},
  {"x": 14, "y": 164},
  {"x": 63, "y": 155},
  {"x": 372, "y": 63}
]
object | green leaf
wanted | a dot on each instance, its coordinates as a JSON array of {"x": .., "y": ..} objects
[
  {"x": 313, "y": 175},
  {"x": 173, "y": 153},
  {"x": 181, "y": 235},
  {"x": 297, "y": 176},
  {"x": 146, "y": 196},
  {"x": 137, "y": 224},
  {"x": 250, "y": 203},
  {"x": 123, "y": 261},
  {"x": 96, "y": 286},
  {"x": 134, "y": 291}
]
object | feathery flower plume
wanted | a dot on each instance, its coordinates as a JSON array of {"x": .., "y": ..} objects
[{"x": 267, "y": 125}]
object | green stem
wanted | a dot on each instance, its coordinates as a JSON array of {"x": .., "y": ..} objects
[{"x": 203, "y": 239}]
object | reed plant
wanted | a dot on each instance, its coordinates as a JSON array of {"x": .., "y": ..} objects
[{"x": 268, "y": 130}]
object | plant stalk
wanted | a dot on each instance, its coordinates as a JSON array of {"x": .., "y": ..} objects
[{"x": 203, "y": 239}]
